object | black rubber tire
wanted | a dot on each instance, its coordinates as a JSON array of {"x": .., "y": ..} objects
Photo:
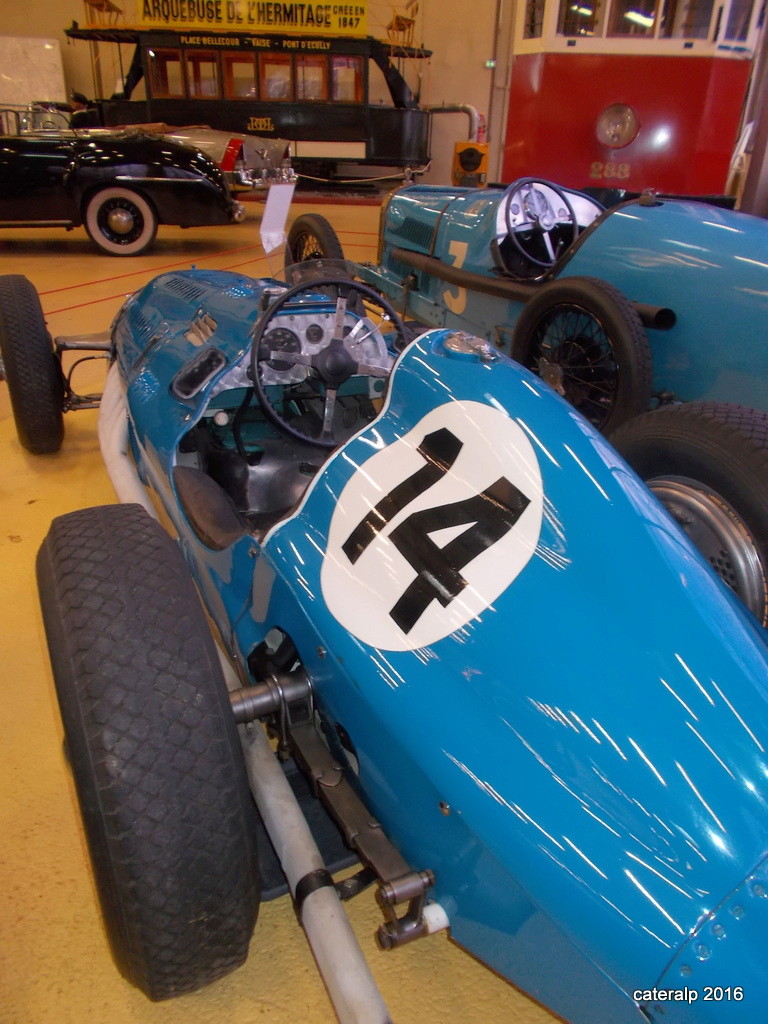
[
  {"x": 154, "y": 749},
  {"x": 718, "y": 452},
  {"x": 143, "y": 221},
  {"x": 311, "y": 237},
  {"x": 33, "y": 373},
  {"x": 614, "y": 382}
]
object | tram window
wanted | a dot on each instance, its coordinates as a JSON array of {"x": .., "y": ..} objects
[
  {"x": 580, "y": 18},
  {"x": 737, "y": 26},
  {"x": 347, "y": 79},
  {"x": 686, "y": 19},
  {"x": 239, "y": 71},
  {"x": 311, "y": 78},
  {"x": 202, "y": 74},
  {"x": 275, "y": 77},
  {"x": 165, "y": 73},
  {"x": 534, "y": 18},
  {"x": 632, "y": 18}
]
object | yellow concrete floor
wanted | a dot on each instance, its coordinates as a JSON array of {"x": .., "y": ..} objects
[{"x": 54, "y": 964}]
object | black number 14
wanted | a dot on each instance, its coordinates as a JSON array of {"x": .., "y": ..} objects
[{"x": 488, "y": 516}]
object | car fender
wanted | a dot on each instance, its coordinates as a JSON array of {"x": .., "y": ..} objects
[
  {"x": 156, "y": 168},
  {"x": 704, "y": 263}
]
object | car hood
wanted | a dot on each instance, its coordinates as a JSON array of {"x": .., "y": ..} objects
[
  {"x": 260, "y": 153},
  {"x": 599, "y": 715}
]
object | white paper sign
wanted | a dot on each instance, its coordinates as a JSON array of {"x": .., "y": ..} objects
[{"x": 275, "y": 215}]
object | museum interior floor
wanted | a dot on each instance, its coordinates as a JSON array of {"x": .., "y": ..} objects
[{"x": 54, "y": 964}]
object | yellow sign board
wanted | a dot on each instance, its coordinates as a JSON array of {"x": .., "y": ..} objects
[{"x": 318, "y": 19}]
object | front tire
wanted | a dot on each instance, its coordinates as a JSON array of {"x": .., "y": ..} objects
[
  {"x": 120, "y": 222},
  {"x": 311, "y": 237},
  {"x": 585, "y": 340},
  {"x": 708, "y": 463},
  {"x": 34, "y": 376},
  {"x": 154, "y": 750}
]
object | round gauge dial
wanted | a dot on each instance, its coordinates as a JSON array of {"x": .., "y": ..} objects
[
  {"x": 314, "y": 333},
  {"x": 279, "y": 345}
]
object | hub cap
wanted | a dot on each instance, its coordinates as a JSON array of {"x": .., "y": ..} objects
[
  {"x": 121, "y": 221},
  {"x": 719, "y": 534},
  {"x": 570, "y": 350}
]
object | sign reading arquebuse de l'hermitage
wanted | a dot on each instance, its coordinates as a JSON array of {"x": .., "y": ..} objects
[{"x": 337, "y": 19}]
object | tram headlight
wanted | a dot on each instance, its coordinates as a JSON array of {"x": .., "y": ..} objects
[{"x": 617, "y": 126}]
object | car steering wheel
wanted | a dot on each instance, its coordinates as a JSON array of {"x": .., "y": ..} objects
[
  {"x": 312, "y": 363},
  {"x": 530, "y": 219}
]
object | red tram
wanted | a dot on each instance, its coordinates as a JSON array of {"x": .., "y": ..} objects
[{"x": 629, "y": 93}]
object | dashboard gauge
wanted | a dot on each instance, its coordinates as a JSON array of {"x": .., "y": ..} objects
[
  {"x": 314, "y": 333},
  {"x": 281, "y": 343}
]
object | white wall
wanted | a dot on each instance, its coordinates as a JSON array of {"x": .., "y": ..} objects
[
  {"x": 461, "y": 38},
  {"x": 48, "y": 19},
  {"x": 460, "y": 34},
  {"x": 30, "y": 67}
]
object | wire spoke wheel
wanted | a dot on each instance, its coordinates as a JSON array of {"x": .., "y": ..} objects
[
  {"x": 311, "y": 237},
  {"x": 585, "y": 339},
  {"x": 571, "y": 352}
]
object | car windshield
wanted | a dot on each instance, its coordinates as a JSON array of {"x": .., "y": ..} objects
[
  {"x": 316, "y": 270},
  {"x": 17, "y": 120}
]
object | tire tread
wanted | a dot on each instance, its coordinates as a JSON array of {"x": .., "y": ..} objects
[
  {"x": 154, "y": 749},
  {"x": 317, "y": 225},
  {"x": 35, "y": 382},
  {"x": 721, "y": 446}
]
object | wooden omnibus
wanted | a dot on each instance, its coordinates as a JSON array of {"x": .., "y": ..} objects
[
  {"x": 629, "y": 93},
  {"x": 338, "y": 100}
]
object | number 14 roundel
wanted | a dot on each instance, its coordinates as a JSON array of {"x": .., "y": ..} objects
[{"x": 433, "y": 528}]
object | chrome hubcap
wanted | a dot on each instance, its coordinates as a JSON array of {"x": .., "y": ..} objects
[
  {"x": 719, "y": 534},
  {"x": 552, "y": 373},
  {"x": 121, "y": 221}
]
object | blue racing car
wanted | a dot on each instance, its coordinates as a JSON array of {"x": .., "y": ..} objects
[
  {"x": 653, "y": 304},
  {"x": 536, "y": 714}
]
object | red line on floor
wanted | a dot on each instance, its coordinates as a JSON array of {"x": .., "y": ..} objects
[
  {"x": 151, "y": 270},
  {"x": 180, "y": 263},
  {"x": 150, "y": 274}
]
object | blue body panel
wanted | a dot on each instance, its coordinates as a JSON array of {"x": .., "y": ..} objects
[
  {"x": 593, "y": 775},
  {"x": 706, "y": 264},
  {"x": 150, "y": 335},
  {"x": 583, "y": 762}
]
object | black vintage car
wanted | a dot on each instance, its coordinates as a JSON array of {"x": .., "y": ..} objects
[{"x": 120, "y": 186}]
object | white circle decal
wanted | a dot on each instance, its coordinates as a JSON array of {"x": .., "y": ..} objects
[{"x": 432, "y": 529}]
